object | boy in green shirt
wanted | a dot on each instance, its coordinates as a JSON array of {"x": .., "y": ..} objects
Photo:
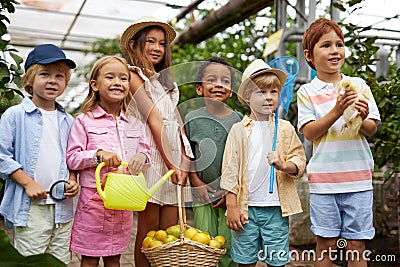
[{"x": 207, "y": 129}]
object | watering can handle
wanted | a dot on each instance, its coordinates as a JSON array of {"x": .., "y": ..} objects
[{"x": 98, "y": 178}]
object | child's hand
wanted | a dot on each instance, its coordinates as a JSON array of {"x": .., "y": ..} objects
[
  {"x": 201, "y": 193},
  {"x": 281, "y": 165},
  {"x": 234, "y": 219},
  {"x": 71, "y": 189},
  {"x": 273, "y": 158},
  {"x": 362, "y": 107},
  {"x": 179, "y": 177},
  {"x": 34, "y": 191},
  {"x": 109, "y": 158},
  {"x": 345, "y": 100},
  {"x": 222, "y": 202},
  {"x": 137, "y": 162}
]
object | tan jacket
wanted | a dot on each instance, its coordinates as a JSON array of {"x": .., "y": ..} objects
[{"x": 234, "y": 165}]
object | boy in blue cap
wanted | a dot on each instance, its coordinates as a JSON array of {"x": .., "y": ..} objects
[{"x": 33, "y": 141}]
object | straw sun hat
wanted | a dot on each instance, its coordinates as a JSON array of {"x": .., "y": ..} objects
[
  {"x": 256, "y": 68},
  {"x": 141, "y": 23}
]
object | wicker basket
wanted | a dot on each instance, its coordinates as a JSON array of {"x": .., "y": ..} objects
[{"x": 183, "y": 252}]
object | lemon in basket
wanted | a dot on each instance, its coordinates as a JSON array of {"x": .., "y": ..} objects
[
  {"x": 161, "y": 235},
  {"x": 221, "y": 240},
  {"x": 156, "y": 243},
  {"x": 146, "y": 242},
  {"x": 170, "y": 238},
  {"x": 174, "y": 230},
  {"x": 190, "y": 232},
  {"x": 151, "y": 233},
  {"x": 214, "y": 244},
  {"x": 202, "y": 238}
]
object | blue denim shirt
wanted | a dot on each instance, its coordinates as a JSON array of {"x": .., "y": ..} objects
[{"x": 20, "y": 134}]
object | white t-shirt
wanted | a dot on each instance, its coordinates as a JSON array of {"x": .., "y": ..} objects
[
  {"x": 49, "y": 158},
  {"x": 260, "y": 144}
]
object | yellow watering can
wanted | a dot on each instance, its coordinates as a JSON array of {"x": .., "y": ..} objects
[{"x": 126, "y": 192}]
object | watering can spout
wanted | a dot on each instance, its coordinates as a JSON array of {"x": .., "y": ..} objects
[{"x": 160, "y": 182}]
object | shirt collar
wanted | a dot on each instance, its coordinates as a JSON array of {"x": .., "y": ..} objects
[
  {"x": 247, "y": 121},
  {"x": 29, "y": 106},
  {"x": 99, "y": 112},
  {"x": 319, "y": 84}
]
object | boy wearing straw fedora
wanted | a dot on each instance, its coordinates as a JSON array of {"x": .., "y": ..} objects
[{"x": 255, "y": 215}]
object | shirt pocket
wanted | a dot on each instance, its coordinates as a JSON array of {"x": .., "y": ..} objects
[
  {"x": 131, "y": 142},
  {"x": 98, "y": 136}
]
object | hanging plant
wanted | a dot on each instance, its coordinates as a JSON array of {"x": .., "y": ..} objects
[{"x": 10, "y": 69}]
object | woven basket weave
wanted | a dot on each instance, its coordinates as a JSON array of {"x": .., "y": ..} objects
[{"x": 183, "y": 252}]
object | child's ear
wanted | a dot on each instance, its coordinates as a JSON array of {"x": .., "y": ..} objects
[
  {"x": 93, "y": 84},
  {"x": 307, "y": 55},
  {"x": 131, "y": 43},
  {"x": 199, "y": 89}
]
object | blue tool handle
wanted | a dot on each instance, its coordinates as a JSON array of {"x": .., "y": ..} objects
[
  {"x": 272, "y": 172},
  {"x": 271, "y": 179}
]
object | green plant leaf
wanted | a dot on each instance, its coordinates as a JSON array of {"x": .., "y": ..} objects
[
  {"x": 3, "y": 45},
  {"x": 9, "y": 94},
  {"x": 18, "y": 81},
  {"x": 4, "y": 72},
  {"x": 3, "y": 28},
  {"x": 9, "y": 256},
  {"x": 18, "y": 92},
  {"x": 17, "y": 58}
]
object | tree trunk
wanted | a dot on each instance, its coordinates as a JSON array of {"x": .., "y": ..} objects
[{"x": 216, "y": 21}]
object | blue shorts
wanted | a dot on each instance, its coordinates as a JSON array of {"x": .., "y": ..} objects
[
  {"x": 265, "y": 238},
  {"x": 346, "y": 215}
]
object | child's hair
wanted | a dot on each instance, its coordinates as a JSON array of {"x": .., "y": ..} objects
[
  {"x": 266, "y": 80},
  {"x": 137, "y": 57},
  {"x": 314, "y": 32},
  {"x": 32, "y": 71},
  {"x": 93, "y": 97},
  {"x": 213, "y": 60}
]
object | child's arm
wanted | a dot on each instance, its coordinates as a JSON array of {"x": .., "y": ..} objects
[
  {"x": 315, "y": 129},
  {"x": 155, "y": 122},
  {"x": 284, "y": 166},
  {"x": 234, "y": 218},
  {"x": 32, "y": 189},
  {"x": 71, "y": 188},
  {"x": 185, "y": 149}
]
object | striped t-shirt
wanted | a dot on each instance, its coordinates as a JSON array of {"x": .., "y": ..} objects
[{"x": 340, "y": 163}]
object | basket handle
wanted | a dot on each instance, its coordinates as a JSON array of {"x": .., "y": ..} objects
[{"x": 181, "y": 212}]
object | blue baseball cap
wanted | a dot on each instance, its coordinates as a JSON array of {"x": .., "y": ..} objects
[{"x": 46, "y": 54}]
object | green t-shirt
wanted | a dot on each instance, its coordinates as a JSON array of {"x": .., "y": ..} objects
[{"x": 207, "y": 134}]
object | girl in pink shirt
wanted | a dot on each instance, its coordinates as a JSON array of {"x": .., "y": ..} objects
[{"x": 97, "y": 136}]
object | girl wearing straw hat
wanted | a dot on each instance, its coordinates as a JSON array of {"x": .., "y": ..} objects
[
  {"x": 145, "y": 45},
  {"x": 254, "y": 215}
]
